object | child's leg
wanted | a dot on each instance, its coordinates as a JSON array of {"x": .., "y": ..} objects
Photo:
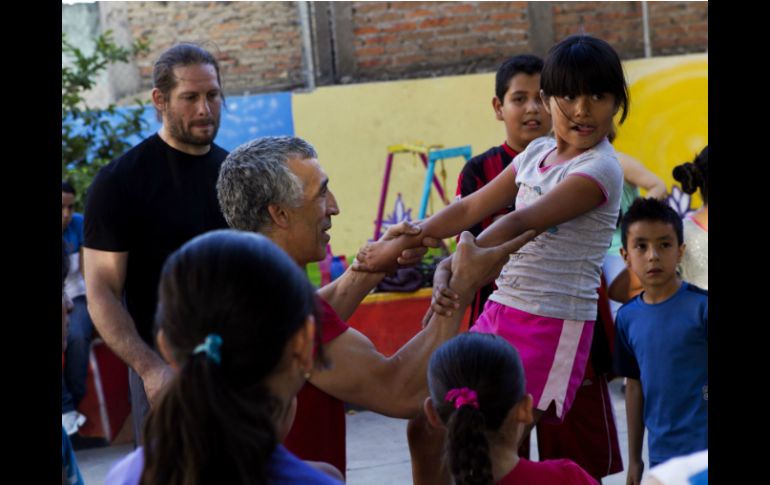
[
  {"x": 588, "y": 436},
  {"x": 426, "y": 448}
]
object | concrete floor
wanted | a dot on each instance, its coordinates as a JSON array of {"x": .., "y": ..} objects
[{"x": 377, "y": 449}]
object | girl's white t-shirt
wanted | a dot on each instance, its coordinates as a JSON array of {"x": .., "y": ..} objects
[{"x": 557, "y": 274}]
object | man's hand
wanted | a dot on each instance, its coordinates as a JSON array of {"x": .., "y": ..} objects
[
  {"x": 444, "y": 300},
  {"x": 472, "y": 266},
  {"x": 399, "y": 245},
  {"x": 155, "y": 379}
]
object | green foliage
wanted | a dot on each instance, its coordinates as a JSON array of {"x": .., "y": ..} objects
[{"x": 91, "y": 137}]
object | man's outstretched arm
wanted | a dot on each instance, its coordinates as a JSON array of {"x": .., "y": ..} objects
[{"x": 396, "y": 386}]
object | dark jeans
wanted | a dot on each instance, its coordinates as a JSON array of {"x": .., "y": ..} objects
[{"x": 80, "y": 332}]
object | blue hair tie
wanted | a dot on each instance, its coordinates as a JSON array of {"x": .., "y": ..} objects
[{"x": 211, "y": 347}]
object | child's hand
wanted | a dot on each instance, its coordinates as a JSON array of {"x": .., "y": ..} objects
[
  {"x": 410, "y": 256},
  {"x": 378, "y": 257},
  {"x": 399, "y": 245},
  {"x": 635, "y": 469}
]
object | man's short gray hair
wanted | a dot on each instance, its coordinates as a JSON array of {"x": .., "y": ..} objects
[{"x": 255, "y": 175}]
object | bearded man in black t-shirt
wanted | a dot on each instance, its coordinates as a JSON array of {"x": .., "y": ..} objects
[{"x": 144, "y": 205}]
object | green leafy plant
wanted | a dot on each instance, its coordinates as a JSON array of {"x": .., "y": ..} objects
[{"x": 93, "y": 137}]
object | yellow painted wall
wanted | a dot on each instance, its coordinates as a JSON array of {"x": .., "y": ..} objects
[
  {"x": 351, "y": 127},
  {"x": 668, "y": 121}
]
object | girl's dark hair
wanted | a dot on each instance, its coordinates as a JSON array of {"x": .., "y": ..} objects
[
  {"x": 214, "y": 422},
  {"x": 67, "y": 187},
  {"x": 695, "y": 175},
  {"x": 491, "y": 367},
  {"x": 581, "y": 64}
]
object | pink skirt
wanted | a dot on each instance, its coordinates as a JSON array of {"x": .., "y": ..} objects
[{"x": 554, "y": 353}]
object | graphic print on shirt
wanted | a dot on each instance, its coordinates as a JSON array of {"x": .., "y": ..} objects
[{"x": 527, "y": 196}]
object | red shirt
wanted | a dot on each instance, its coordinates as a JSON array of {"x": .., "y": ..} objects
[
  {"x": 318, "y": 432},
  {"x": 549, "y": 472}
]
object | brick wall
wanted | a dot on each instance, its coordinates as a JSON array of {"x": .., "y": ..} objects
[
  {"x": 675, "y": 27},
  {"x": 412, "y": 39},
  {"x": 619, "y": 23},
  {"x": 258, "y": 44},
  {"x": 260, "y": 49},
  {"x": 393, "y": 39},
  {"x": 678, "y": 27}
]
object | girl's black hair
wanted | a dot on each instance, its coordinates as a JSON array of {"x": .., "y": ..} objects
[
  {"x": 67, "y": 187},
  {"x": 491, "y": 367},
  {"x": 695, "y": 175},
  {"x": 214, "y": 423},
  {"x": 581, "y": 64}
]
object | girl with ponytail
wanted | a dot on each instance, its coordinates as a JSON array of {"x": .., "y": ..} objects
[
  {"x": 693, "y": 176},
  {"x": 477, "y": 392},
  {"x": 236, "y": 319}
]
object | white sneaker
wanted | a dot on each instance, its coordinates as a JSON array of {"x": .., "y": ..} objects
[{"x": 72, "y": 421}]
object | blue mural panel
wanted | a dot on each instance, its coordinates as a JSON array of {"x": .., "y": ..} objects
[{"x": 254, "y": 116}]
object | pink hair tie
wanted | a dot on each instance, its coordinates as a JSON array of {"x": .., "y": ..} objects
[{"x": 462, "y": 396}]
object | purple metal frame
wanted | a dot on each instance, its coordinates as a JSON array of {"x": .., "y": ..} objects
[{"x": 384, "y": 191}]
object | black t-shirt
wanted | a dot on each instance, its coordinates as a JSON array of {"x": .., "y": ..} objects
[{"x": 149, "y": 202}]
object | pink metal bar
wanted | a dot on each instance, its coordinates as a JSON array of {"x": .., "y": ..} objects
[{"x": 383, "y": 195}]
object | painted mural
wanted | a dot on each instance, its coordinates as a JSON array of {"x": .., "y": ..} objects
[
  {"x": 352, "y": 126},
  {"x": 668, "y": 124}
]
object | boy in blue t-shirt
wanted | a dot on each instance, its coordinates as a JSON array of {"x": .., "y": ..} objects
[{"x": 661, "y": 341}]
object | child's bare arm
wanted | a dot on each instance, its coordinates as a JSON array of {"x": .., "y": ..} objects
[
  {"x": 460, "y": 215},
  {"x": 634, "y": 410},
  {"x": 573, "y": 196},
  {"x": 464, "y": 213},
  {"x": 625, "y": 286},
  {"x": 637, "y": 174}
]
